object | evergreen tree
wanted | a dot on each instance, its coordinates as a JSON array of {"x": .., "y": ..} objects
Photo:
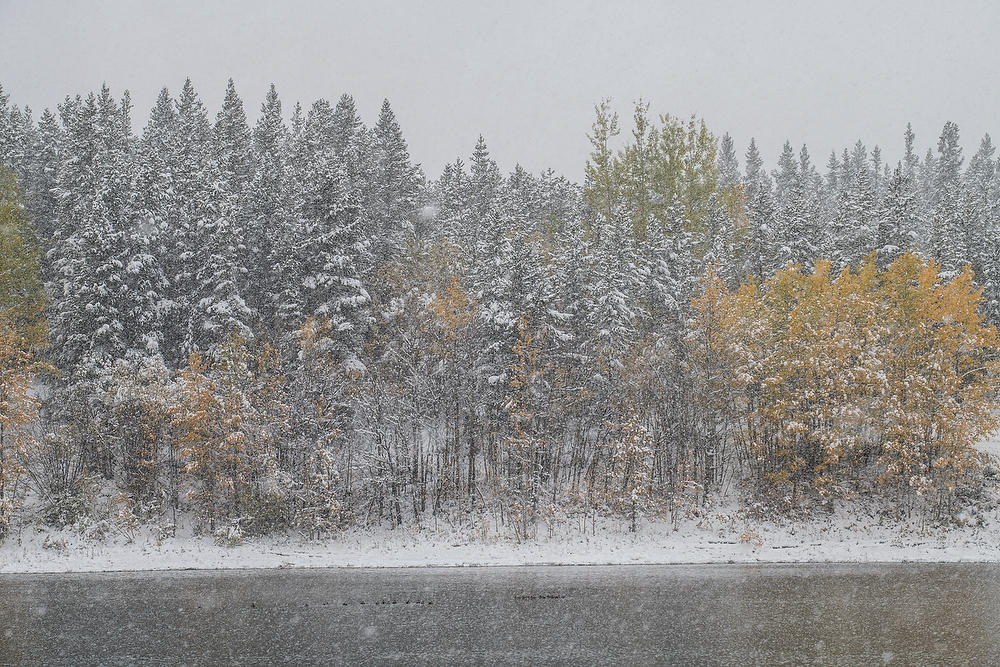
[
  {"x": 728, "y": 165},
  {"x": 480, "y": 203},
  {"x": 351, "y": 144},
  {"x": 395, "y": 189},
  {"x": 853, "y": 231},
  {"x": 757, "y": 253},
  {"x": 43, "y": 202},
  {"x": 107, "y": 285},
  {"x": 7, "y": 140},
  {"x": 613, "y": 313},
  {"x": 269, "y": 222},
  {"x": 194, "y": 205},
  {"x": 17, "y": 137},
  {"x": 797, "y": 193},
  {"x": 157, "y": 158},
  {"x": 330, "y": 251},
  {"x": 980, "y": 207},
  {"x": 326, "y": 249},
  {"x": 949, "y": 227},
  {"x": 231, "y": 150},
  {"x": 221, "y": 261},
  {"x": 485, "y": 181},
  {"x": 898, "y": 219}
]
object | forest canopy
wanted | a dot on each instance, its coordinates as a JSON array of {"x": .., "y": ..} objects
[{"x": 289, "y": 326}]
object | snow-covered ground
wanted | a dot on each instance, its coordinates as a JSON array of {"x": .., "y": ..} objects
[
  {"x": 722, "y": 536},
  {"x": 718, "y": 541}
]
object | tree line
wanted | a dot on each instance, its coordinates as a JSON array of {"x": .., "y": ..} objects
[{"x": 289, "y": 326}]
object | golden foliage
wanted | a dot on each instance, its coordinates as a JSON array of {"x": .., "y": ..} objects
[
  {"x": 454, "y": 311},
  {"x": 226, "y": 419},
  {"x": 884, "y": 374}
]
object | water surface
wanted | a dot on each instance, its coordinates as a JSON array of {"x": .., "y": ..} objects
[{"x": 707, "y": 614}]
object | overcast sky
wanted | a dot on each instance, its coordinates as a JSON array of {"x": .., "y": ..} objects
[{"x": 527, "y": 74}]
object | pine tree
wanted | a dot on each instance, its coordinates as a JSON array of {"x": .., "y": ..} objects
[
  {"x": 948, "y": 224},
  {"x": 351, "y": 145},
  {"x": 17, "y": 137},
  {"x": 980, "y": 208},
  {"x": 452, "y": 220},
  {"x": 898, "y": 220},
  {"x": 758, "y": 244},
  {"x": 231, "y": 147},
  {"x": 797, "y": 194},
  {"x": 853, "y": 233},
  {"x": 327, "y": 256},
  {"x": 664, "y": 273},
  {"x": 194, "y": 204},
  {"x": 982, "y": 187},
  {"x": 565, "y": 285},
  {"x": 910, "y": 159},
  {"x": 222, "y": 260},
  {"x": 612, "y": 286},
  {"x": 485, "y": 181},
  {"x": 269, "y": 215},
  {"x": 107, "y": 284},
  {"x": 156, "y": 152},
  {"x": 728, "y": 165},
  {"x": 7, "y": 139},
  {"x": 396, "y": 186},
  {"x": 789, "y": 213},
  {"x": 43, "y": 202}
]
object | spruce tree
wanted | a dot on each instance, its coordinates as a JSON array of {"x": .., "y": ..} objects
[
  {"x": 43, "y": 202},
  {"x": 980, "y": 207},
  {"x": 194, "y": 205},
  {"x": 757, "y": 253},
  {"x": 268, "y": 210},
  {"x": 853, "y": 232},
  {"x": 395, "y": 188},
  {"x": 898, "y": 219},
  {"x": 949, "y": 226},
  {"x": 108, "y": 286},
  {"x": 329, "y": 253},
  {"x": 222, "y": 266},
  {"x": 728, "y": 165}
]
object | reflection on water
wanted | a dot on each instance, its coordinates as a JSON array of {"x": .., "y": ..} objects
[{"x": 730, "y": 614}]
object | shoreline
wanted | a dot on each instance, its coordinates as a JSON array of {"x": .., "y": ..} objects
[
  {"x": 44, "y": 552},
  {"x": 518, "y": 566}
]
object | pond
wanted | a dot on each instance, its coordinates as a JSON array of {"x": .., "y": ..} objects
[{"x": 730, "y": 614}]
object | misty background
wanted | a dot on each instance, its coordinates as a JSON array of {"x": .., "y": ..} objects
[{"x": 527, "y": 74}]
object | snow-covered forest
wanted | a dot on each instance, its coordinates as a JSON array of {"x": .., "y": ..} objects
[{"x": 285, "y": 324}]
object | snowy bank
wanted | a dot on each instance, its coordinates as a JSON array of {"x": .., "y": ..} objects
[{"x": 722, "y": 541}]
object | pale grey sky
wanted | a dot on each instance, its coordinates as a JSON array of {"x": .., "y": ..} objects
[{"x": 527, "y": 74}]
